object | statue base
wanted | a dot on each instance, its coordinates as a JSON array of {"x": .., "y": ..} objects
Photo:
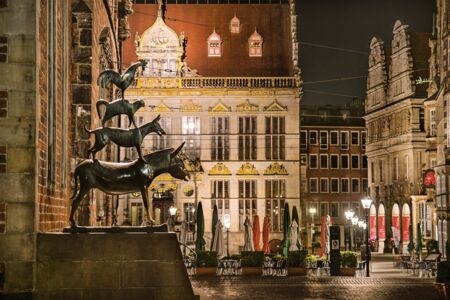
[
  {"x": 120, "y": 265},
  {"x": 117, "y": 229}
]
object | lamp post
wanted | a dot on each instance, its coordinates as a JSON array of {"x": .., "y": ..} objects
[
  {"x": 366, "y": 203},
  {"x": 227, "y": 224},
  {"x": 354, "y": 223},
  {"x": 172, "y": 212},
  {"x": 349, "y": 215},
  {"x": 312, "y": 211}
]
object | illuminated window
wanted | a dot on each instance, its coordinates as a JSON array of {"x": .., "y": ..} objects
[
  {"x": 191, "y": 135},
  {"x": 235, "y": 25},
  {"x": 214, "y": 45},
  {"x": 255, "y": 45}
]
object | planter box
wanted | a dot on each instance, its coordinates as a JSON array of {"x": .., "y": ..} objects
[
  {"x": 210, "y": 271},
  {"x": 443, "y": 289},
  {"x": 297, "y": 271},
  {"x": 252, "y": 271},
  {"x": 348, "y": 271}
]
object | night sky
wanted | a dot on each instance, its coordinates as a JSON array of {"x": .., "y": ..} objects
[{"x": 350, "y": 25}]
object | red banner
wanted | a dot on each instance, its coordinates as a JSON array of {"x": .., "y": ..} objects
[
  {"x": 381, "y": 228},
  {"x": 396, "y": 222},
  {"x": 373, "y": 227},
  {"x": 405, "y": 221}
]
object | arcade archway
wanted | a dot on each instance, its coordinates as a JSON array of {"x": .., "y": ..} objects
[{"x": 381, "y": 227}]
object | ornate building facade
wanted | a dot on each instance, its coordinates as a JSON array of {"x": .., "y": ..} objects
[
  {"x": 227, "y": 83},
  {"x": 332, "y": 145},
  {"x": 400, "y": 146}
]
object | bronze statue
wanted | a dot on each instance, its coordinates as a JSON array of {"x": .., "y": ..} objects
[
  {"x": 118, "y": 107},
  {"x": 121, "y": 81},
  {"x": 123, "y": 137},
  {"x": 126, "y": 177}
]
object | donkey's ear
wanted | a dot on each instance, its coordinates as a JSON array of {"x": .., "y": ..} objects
[
  {"x": 157, "y": 118},
  {"x": 175, "y": 153}
]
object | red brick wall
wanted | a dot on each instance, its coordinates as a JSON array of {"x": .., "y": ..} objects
[{"x": 52, "y": 195}]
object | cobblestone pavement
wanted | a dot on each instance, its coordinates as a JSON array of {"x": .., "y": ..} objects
[{"x": 386, "y": 283}]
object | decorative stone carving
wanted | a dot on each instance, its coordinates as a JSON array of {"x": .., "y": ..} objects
[
  {"x": 275, "y": 106},
  {"x": 276, "y": 169},
  {"x": 220, "y": 107},
  {"x": 190, "y": 107},
  {"x": 247, "y": 107},
  {"x": 219, "y": 169},
  {"x": 247, "y": 169},
  {"x": 161, "y": 108}
]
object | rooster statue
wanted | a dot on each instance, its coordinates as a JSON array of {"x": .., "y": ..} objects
[{"x": 121, "y": 81}]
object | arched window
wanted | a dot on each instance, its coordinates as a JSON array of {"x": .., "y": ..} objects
[
  {"x": 214, "y": 45},
  {"x": 235, "y": 25},
  {"x": 255, "y": 42}
]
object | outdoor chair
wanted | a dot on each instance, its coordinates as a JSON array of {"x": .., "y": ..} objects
[
  {"x": 311, "y": 268},
  {"x": 281, "y": 267},
  {"x": 268, "y": 266}
]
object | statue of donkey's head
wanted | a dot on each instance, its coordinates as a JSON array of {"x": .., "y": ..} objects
[
  {"x": 177, "y": 168},
  {"x": 157, "y": 127}
]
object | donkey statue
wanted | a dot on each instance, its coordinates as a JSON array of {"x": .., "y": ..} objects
[
  {"x": 124, "y": 137},
  {"x": 127, "y": 177}
]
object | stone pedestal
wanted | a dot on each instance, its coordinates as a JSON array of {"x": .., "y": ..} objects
[{"x": 110, "y": 266}]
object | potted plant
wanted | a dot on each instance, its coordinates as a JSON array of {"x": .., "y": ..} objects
[
  {"x": 252, "y": 262},
  {"x": 297, "y": 263},
  {"x": 443, "y": 275},
  {"x": 206, "y": 263},
  {"x": 348, "y": 263}
]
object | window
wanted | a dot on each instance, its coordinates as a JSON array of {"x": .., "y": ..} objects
[
  {"x": 323, "y": 140},
  {"x": 235, "y": 25},
  {"x": 395, "y": 168},
  {"x": 344, "y": 140},
  {"x": 220, "y": 139},
  {"x": 381, "y": 171},
  {"x": 364, "y": 185},
  {"x": 448, "y": 55},
  {"x": 247, "y": 138},
  {"x": 323, "y": 161},
  {"x": 425, "y": 219},
  {"x": 214, "y": 45},
  {"x": 275, "y": 198},
  {"x": 355, "y": 138},
  {"x": 334, "y": 185},
  {"x": 334, "y": 138},
  {"x": 355, "y": 161},
  {"x": 191, "y": 135},
  {"x": 344, "y": 185},
  {"x": 275, "y": 138},
  {"x": 334, "y": 161},
  {"x": 303, "y": 139},
  {"x": 364, "y": 161},
  {"x": 189, "y": 213},
  {"x": 313, "y": 161},
  {"x": 324, "y": 185},
  {"x": 255, "y": 44},
  {"x": 220, "y": 196},
  {"x": 313, "y": 137},
  {"x": 247, "y": 200},
  {"x": 355, "y": 185},
  {"x": 162, "y": 142},
  {"x": 432, "y": 122},
  {"x": 344, "y": 161},
  {"x": 335, "y": 209},
  {"x": 323, "y": 208},
  {"x": 313, "y": 188},
  {"x": 363, "y": 139}
]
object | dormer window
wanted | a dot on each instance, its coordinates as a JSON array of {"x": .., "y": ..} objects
[
  {"x": 255, "y": 45},
  {"x": 235, "y": 25},
  {"x": 214, "y": 45}
]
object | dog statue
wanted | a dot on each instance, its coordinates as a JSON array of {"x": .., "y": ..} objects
[
  {"x": 126, "y": 177},
  {"x": 119, "y": 107},
  {"x": 123, "y": 137}
]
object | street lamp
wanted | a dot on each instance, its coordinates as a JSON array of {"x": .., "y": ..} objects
[
  {"x": 366, "y": 203},
  {"x": 312, "y": 211},
  {"x": 227, "y": 224},
  {"x": 172, "y": 212},
  {"x": 349, "y": 215}
]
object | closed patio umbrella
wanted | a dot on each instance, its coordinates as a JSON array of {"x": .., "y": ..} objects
[
  {"x": 218, "y": 240},
  {"x": 286, "y": 225},
  {"x": 293, "y": 237},
  {"x": 295, "y": 217},
  {"x": 326, "y": 249},
  {"x": 265, "y": 235},
  {"x": 248, "y": 235},
  {"x": 256, "y": 233},
  {"x": 419, "y": 241},
  {"x": 215, "y": 218},
  {"x": 200, "y": 241},
  {"x": 411, "y": 243}
]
